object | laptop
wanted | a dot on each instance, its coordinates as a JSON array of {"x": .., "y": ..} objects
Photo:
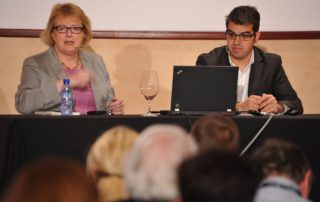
[{"x": 199, "y": 90}]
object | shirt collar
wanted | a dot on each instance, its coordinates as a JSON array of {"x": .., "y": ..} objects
[
  {"x": 251, "y": 61},
  {"x": 281, "y": 183}
]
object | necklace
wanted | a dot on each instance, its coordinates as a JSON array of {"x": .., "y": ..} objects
[{"x": 70, "y": 67}]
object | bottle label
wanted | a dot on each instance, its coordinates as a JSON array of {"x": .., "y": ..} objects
[{"x": 66, "y": 101}]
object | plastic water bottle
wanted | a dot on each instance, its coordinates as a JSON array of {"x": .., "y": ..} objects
[{"x": 66, "y": 99}]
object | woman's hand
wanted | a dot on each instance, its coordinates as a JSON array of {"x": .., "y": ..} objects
[
  {"x": 116, "y": 106},
  {"x": 81, "y": 79}
]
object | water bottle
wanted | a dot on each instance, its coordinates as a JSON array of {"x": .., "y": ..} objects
[{"x": 66, "y": 99}]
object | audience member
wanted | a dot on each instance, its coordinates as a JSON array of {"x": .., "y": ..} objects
[
  {"x": 216, "y": 131},
  {"x": 52, "y": 180},
  {"x": 284, "y": 172},
  {"x": 105, "y": 162},
  {"x": 151, "y": 165},
  {"x": 262, "y": 81},
  {"x": 216, "y": 176},
  {"x": 68, "y": 32}
]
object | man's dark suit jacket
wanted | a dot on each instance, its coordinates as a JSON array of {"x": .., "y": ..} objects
[{"x": 267, "y": 76}]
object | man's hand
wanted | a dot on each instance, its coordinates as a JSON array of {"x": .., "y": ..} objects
[
  {"x": 270, "y": 104},
  {"x": 251, "y": 103},
  {"x": 265, "y": 103}
]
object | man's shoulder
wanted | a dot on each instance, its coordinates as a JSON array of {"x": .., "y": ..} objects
[
  {"x": 264, "y": 55},
  {"x": 217, "y": 50},
  {"x": 212, "y": 57}
]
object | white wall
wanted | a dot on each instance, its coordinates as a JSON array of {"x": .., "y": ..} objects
[{"x": 165, "y": 15}]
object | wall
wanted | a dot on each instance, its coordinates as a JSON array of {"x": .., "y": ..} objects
[
  {"x": 166, "y": 15},
  {"x": 126, "y": 58}
]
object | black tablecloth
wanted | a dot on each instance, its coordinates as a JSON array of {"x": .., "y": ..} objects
[{"x": 26, "y": 138}]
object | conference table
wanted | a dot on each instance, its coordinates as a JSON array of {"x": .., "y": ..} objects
[{"x": 26, "y": 138}]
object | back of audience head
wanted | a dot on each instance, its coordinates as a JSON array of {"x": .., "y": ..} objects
[
  {"x": 216, "y": 175},
  {"x": 282, "y": 158},
  {"x": 52, "y": 179},
  {"x": 151, "y": 165},
  {"x": 105, "y": 161},
  {"x": 217, "y": 131}
]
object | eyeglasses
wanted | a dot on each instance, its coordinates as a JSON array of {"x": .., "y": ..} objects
[
  {"x": 245, "y": 36},
  {"x": 64, "y": 29}
]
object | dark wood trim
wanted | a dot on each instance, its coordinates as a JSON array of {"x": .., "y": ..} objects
[
  {"x": 158, "y": 35},
  {"x": 283, "y": 35},
  {"x": 20, "y": 32},
  {"x": 291, "y": 35}
]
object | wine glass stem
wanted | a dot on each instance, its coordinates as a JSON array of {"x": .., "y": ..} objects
[{"x": 149, "y": 106}]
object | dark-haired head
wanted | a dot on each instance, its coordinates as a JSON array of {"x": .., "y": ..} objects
[
  {"x": 243, "y": 15},
  {"x": 281, "y": 157},
  {"x": 218, "y": 176}
]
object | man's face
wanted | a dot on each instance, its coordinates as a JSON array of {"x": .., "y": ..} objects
[{"x": 240, "y": 40}]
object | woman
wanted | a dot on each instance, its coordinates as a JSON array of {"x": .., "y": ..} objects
[
  {"x": 105, "y": 162},
  {"x": 68, "y": 30}
]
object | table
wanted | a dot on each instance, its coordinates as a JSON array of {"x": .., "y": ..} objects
[{"x": 23, "y": 138}]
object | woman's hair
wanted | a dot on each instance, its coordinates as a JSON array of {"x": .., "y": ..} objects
[
  {"x": 66, "y": 10},
  {"x": 52, "y": 179},
  {"x": 105, "y": 161}
]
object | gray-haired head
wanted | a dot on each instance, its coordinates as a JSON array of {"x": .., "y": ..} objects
[{"x": 151, "y": 165}]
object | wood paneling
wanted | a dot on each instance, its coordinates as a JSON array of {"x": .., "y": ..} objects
[{"x": 167, "y": 35}]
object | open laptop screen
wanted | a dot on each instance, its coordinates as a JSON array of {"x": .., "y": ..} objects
[{"x": 198, "y": 90}]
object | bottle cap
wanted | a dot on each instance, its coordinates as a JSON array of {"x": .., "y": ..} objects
[{"x": 66, "y": 81}]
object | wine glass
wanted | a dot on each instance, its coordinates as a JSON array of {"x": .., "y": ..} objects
[{"x": 149, "y": 88}]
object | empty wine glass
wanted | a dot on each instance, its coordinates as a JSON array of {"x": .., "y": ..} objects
[{"x": 149, "y": 87}]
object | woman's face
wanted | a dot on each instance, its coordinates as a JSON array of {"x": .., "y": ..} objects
[{"x": 68, "y": 34}]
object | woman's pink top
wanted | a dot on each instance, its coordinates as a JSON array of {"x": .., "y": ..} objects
[{"x": 83, "y": 98}]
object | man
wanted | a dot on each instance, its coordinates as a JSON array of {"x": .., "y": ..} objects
[
  {"x": 284, "y": 172},
  {"x": 262, "y": 82},
  {"x": 216, "y": 176},
  {"x": 151, "y": 165}
]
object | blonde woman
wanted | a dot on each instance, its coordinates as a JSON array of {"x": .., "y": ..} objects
[
  {"x": 68, "y": 31},
  {"x": 105, "y": 162}
]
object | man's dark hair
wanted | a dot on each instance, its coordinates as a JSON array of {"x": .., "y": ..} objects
[
  {"x": 216, "y": 131},
  {"x": 281, "y": 157},
  {"x": 217, "y": 176},
  {"x": 242, "y": 15}
]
